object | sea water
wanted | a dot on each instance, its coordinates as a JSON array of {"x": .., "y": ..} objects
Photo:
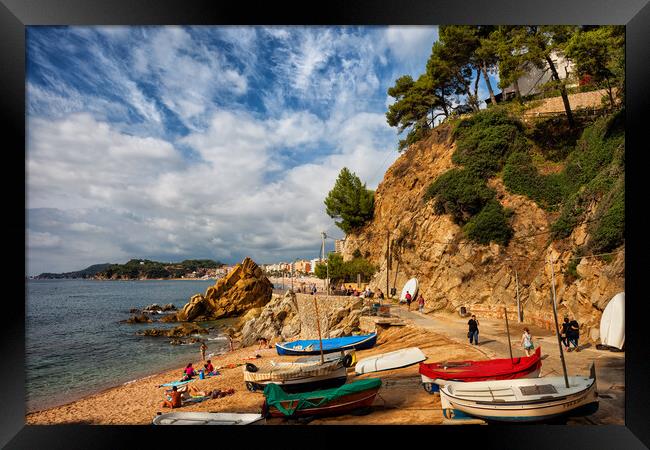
[{"x": 76, "y": 345}]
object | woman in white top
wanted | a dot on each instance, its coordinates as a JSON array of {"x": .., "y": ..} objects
[{"x": 527, "y": 341}]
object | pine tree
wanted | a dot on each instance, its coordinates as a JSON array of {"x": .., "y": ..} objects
[{"x": 350, "y": 201}]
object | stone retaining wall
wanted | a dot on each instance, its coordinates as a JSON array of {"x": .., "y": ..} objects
[
  {"x": 555, "y": 105},
  {"x": 327, "y": 305}
]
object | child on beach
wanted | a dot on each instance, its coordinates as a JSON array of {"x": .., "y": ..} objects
[
  {"x": 527, "y": 341},
  {"x": 420, "y": 303}
]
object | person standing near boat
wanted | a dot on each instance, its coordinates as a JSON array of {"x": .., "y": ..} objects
[
  {"x": 573, "y": 334},
  {"x": 408, "y": 299},
  {"x": 203, "y": 348},
  {"x": 527, "y": 341},
  {"x": 472, "y": 334},
  {"x": 420, "y": 303}
]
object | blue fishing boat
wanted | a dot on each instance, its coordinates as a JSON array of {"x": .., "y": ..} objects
[{"x": 312, "y": 346}]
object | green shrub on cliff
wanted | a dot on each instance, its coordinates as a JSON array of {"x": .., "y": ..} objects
[
  {"x": 459, "y": 192},
  {"x": 485, "y": 139},
  {"x": 490, "y": 225}
]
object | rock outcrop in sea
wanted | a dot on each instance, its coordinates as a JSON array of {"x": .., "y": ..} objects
[{"x": 243, "y": 288}]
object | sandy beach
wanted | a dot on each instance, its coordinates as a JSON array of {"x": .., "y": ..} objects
[{"x": 401, "y": 400}]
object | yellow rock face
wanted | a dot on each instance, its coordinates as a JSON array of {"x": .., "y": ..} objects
[{"x": 243, "y": 288}]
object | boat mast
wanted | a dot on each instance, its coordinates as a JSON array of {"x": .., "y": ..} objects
[
  {"x": 320, "y": 338},
  {"x": 505, "y": 310},
  {"x": 557, "y": 328}
]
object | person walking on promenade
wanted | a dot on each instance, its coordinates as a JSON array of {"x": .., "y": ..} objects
[
  {"x": 472, "y": 334},
  {"x": 573, "y": 334},
  {"x": 420, "y": 303},
  {"x": 527, "y": 341},
  {"x": 408, "y": 299},
  {"x": 203, "y": 348}
]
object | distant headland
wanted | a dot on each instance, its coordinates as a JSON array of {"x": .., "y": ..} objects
[{"x": 144, "y": 269}]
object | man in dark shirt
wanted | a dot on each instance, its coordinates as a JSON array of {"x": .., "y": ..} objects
[
  {"x": 573, "y": 334},
  {"x": 472, "y": 334}
]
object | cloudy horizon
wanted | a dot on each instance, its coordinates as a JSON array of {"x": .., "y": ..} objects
[{"x": 171, "y": 143}]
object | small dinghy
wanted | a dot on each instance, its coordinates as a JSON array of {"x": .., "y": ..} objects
[
  {"x": 438, "y": 374},
  {"x": 313, "y": 347},
  {"x": 522, "y": 400},
  {"x": 612, "y": 323},
  {"x": 391, "y": 360},
  {"x": 206, "y": 418},
  {"x": 296, "y": 377},
  {"x": 411, "y": 287},
  {"x": 347, "y": 398}
]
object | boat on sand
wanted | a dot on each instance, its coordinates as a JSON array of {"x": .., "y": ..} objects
[
  {"x": 440, "y": 373},
  {"x": 392, "y": 360},
  {"x": 296, "y": 377},
  {"x": 341, "y": 400},
  {"x": 313, "y": 346},
  {"x": 520, "y": 400},
  {"x": 206, "y": 418}
]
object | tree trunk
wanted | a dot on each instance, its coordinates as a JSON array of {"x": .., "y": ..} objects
[
  {"x": 565, "y": 97},
  {"x": 493, "y": 99},
  {"x": 517, "y": 91},
  {"x": 476, "y": 102}
]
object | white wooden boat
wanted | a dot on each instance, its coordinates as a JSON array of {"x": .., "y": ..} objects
[
  {"x": 520, "y": 400},
  {"x": 412, "y": 287},
  {"x": 392, "y": 360},
  {"x": 206, "y": 418},
  {"x": 348, "y": 361},
  {"x": 612, "y": 322},
  {"x": 296, "y": 377}
]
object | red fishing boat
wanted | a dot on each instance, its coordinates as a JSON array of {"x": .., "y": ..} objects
[{"x": 435, "y": 375}]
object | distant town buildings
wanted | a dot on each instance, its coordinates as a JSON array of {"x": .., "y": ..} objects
[{"x": 338, "y": 245}]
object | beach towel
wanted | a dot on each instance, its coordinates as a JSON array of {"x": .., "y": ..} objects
[{"x": 177, "y": 383}]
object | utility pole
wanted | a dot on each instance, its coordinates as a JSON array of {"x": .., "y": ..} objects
[
  {"x": 519, "y": 319},
  {"x": 327, "y": 263},
  {"x": 387, "y": 262}
]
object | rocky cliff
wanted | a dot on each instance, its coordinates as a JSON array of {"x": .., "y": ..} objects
[
  {"x": 245, "y": 287},
  {"x": 455, "y": 272}
]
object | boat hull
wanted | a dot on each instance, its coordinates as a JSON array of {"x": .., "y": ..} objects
[
  {"x": 339, "y": 406},
  {"x": 363, "y": 343},
  {"x": 203, "y": 418},
  {"x": 488, "y": 370},
  {"x": 539, "y": 408},
  {"x": 388, "y": 361},
  {"x": 432, "y": 386},
  {"x": 304, "y": 384}
]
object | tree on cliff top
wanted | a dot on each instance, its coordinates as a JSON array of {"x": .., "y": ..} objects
[{"x": 350, "y": 201}]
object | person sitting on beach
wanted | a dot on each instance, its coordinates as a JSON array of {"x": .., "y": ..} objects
[
  {"x": 174, "y": 399},
  {"x": 189, "y": 372},
  {"x": 262, "y": 343},
  {"x": 209, "y": 368}
]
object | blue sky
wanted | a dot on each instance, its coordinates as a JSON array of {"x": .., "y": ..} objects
[{"x": 170, "y": 143}]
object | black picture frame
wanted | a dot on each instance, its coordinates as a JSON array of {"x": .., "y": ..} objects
[{"x": 15, "y": 15}]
